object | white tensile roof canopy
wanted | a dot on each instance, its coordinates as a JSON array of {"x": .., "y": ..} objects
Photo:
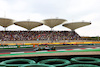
[
  {"x": 76, "y": 25},
  {"x": 28, "y": 24},
  {"x": 53, "y": 22},
  {"x": 5, "y": 22}
]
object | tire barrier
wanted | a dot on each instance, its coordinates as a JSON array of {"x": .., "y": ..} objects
[
  {"x": 37, "y": 65},
  {"x": 1, "y": 65},
  {"x": 36, "y": 59},
  {"x": 44, "y": 58},
  {"x": 85, "y": 60},
  {"x": 17, "y": 62},
  {"x": 55, "y": 62},
  {"x": 82, "y": 65}
]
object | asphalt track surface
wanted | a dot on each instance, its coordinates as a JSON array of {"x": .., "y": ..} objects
[{"x": 57, "y": 48}]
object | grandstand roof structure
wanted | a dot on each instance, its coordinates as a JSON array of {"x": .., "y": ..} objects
[
  {"x": 53, "y": 22},
  {"x": 5, "y": 22},
  {"x": 76, "y": 25},
  {"x": 28, "y": 24}
]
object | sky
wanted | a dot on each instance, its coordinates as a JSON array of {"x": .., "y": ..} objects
[{"x": 38, "y": 10}]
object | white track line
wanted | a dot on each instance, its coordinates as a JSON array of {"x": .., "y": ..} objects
[{"x": 16, "y": 52}]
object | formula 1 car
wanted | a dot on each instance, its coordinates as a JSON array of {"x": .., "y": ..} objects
[{"x": 44, "y": 48}]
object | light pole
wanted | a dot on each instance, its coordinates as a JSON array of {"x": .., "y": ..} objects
[{"x": 98, "y": 38}]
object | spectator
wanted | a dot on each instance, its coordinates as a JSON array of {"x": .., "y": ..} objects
[{"x": 40, "y": 35}]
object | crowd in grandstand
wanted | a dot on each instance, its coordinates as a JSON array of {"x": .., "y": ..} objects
[{"x": 38, "y": 35}]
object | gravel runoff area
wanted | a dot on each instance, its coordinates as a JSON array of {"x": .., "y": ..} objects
[{"x": 55, "y": 54}]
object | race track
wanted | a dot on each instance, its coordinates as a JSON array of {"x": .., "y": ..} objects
[{"x": 57, "y": 48}]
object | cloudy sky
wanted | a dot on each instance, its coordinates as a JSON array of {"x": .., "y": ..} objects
[{"x": 38, "y": 10}]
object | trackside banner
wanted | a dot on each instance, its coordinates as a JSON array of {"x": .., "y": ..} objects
[
  {"x": 8, "y": 47},
  {"x": 16, "y": 46},
  {"x": 25, "y": 46}
]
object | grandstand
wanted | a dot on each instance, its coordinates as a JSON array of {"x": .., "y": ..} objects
[{"x": 40, "y": 35}]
